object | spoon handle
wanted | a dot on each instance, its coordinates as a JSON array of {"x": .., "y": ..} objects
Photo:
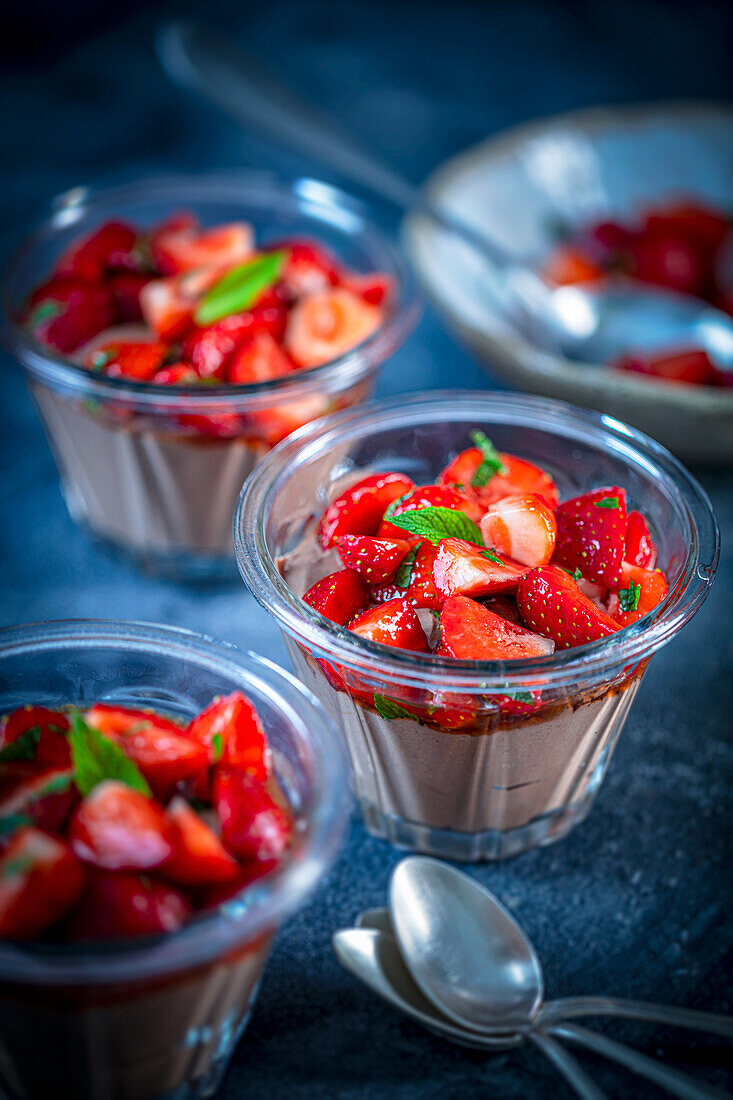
[
  {"x": 676, "y": 1083},
  {"x": 568, "y": 1007},
  {"x": 564, "y": 1062}
]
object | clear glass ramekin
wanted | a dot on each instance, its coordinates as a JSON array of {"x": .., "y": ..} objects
[
  {"x": 160, "y": 1016},
  {"x": 507, "y": 755},
  {"x": 155, "y": 471}
]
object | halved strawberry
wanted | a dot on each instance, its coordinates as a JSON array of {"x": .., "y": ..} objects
[
  {"x": 210, "y": 348},
  {"x": 394, "y": 624},
  {"x": 177, "y": 250},
  {"x": 46, "y": 798},
  {"x": 198, "y": 857},
  {"x": 429, "y": 496},
  {"x": 640, "y": 548},
  {"x": 64, "y": 314},
  {"x": 591, "y": 534},
  {"x": 115, "y": 905},
  {"x": 552, "y": 604},
  {"x": 308, "y": 269},
  {"x": 323, "y": 326},
  {"x": 339, "y": 596},
  {"x": 376, "y": 560},
  {"x": 639, "y": 592},
  {"x": 257, "y": 358},
  {"x": 231, "y": 730},
  {"x": 167, "y": 304},
  {"x": 470, "y": 632},
  {"x": 421, "y": 591},
  {"x": 119, "y": 829},
  {"x": 518, "y": 476},
  {"x": 521, "y": 527},
  {"x": 253, "y": 826},
  {"x": 135, "y": 360},
  {"x": 359, "y": 509},
  {"x": 165, "y": 758},
  {"x": 462, "y": 568},
  {"x": 109, "y": 248},
  {"x": 40, "y": 881},
  {"x": 45, "y": 736}
]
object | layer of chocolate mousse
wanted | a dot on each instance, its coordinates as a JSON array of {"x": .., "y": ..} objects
[{"x": 128, "y": 1041}]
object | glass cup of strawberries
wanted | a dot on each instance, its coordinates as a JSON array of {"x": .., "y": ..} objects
[
  {"x": 165, "y": 803},
  {"x": 474, "y": 583},
  {"x": 174, "y": 330}
]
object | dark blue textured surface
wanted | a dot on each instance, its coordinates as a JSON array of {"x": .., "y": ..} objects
[{"x": 631, "y": 904}]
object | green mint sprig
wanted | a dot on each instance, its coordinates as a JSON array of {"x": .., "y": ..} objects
[
  {"x": 391, "y": 710},
  {"x": 240, "y": 288},
  {"x": 436, "y": 523},
  {"x": 403, "y": 576},
  {"x": 491, "y": 463},
  {"x": 628, "y": 598},
  {"x": 23, "y": 748},
  {"x": 96, "y": 758}
]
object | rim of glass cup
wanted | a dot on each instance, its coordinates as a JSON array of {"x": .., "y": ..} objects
[
  {"x": 402, "y": 668},
  {"x": 317, "y": 199},
  {"x": 260, "y": 907}
]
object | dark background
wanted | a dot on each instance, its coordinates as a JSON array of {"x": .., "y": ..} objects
[{"x": 633, "y": 903}]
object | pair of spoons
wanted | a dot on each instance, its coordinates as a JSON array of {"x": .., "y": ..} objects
[{"x": 450, "y": 956}]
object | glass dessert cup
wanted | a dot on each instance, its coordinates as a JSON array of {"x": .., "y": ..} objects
[
  {"x": 160, "y": 1016},
  {"x": 155, "y": 471},
  {"x": 507, "y": 755}
]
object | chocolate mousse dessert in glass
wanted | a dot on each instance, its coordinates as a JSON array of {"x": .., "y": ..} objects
[
  {"x": 473, "y": 584},
  {"x": 174, "y": 330},
  {"x": 165, "y": 803}
]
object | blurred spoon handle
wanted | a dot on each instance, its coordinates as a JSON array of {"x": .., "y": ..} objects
[
  {"x": 568, "y": 1007},
  {"x": 676, "y": 1083},
  {"x": 564, "y": 1062}
]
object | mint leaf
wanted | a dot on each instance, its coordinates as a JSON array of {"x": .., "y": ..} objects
[
  {"x": 101, "y": 359},
  {"x": 391, "y": 710},
  {"x": 574, "y": 573},
  {"x": 217, "y": 748},
  {"x": 491, "y": 556},
  {"x": 520, "y": 696},
  {"x": 628, "y": 598},
  {"x": 44, "y": 311},
  {"x": 23, "y": 748},
  {"x": 439, "y": 523},
  {"x": 240, "y": 288},
  {"x": 56, "y": 785},
  {"x": 96, "y": 758},
  {"x": 491, "y": 464},
  {"x": 607, "y": 502},
  {"x": 12, "y": 822},
  {"x": 403, "y": 576}
]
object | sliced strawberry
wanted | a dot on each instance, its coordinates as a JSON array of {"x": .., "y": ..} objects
[
  {"x": 359, "y": 510},
  {"x": 50, "y": 748},
  {"x": 429, "y": 496},
  {"x": 210, "y": 348},
  {"x": 470, "y": 632},
  {"x": 109, "y": 719},
  {"x": 591, "y": 534},
  {"x": 339, "y": 596},
  {"x": 109, "y": 248},
  {"x": 119, "y": 829},
  {"x": 421, "y": 591},
  {"x": 128, "y": 359},
  {"x": 67, "y": 313},
  {"x": 125, "y": 287},
  {"x": 376, "y": 560},
  {"x": 376, "y": 288},
  {"x": 198, "y": 857},
  {"x": 115, "y": 905},
  {"x": 165, "y": 759},
  {"x": 178, "y": 250},
  {"x": 46, "y": 798},
  {"x": 693, "y": 367},
  {"x": 640, "y": 548},
  {"x": 258, "y": 358},
  {"x": 309, "y": 269},
  {"x": 462, "y": 568},
  {"x": 521, "y": 527},
  {"x": 394, "y": 624},
  {"x": 253, "y": 826},
  {"x": 552, "y": 604},
  {"x": 639, "y": 592},
  {"x": 519, "y": 476},
  {"x": 40, "y": 881},
  {"x": 231, "y": 730},
  {"x": 167, "y": 304},
  {"x": 323, "y": 326}
]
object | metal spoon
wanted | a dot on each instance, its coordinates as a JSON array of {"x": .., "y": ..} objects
[{"x": 593, "y": 323}]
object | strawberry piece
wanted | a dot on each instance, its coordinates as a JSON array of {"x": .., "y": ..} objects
[
  {"x": 127, "y": 359},
  {"x": 309, "y": 269},
  {"x": 178, "y": 250},
  {"x": 198, "y": 857},
  {"x": 521, "y": 527},
  {"x": 165, "y": 758},
  {"x": 210, "y": 348},
  {"x": 376, "y": 288},
  {"x": 323, "y": 326},
  {"x": 339, "y": 596},
  {"x": 671, "y": 261},
  {"x": 125, "y": 287},
  {"x": 51, "y": 749},
  {"x": 462, "y": 568},
  {"x": 568, "y": 265},
  {"x": 257, "y": 359},
  {"x": 119, "y": 829},
  {"x": 591, "y": 535},
  {"x": 421, "y": 591},
  {"x": 519, "y": 476},
  {"x": 640, "y": 548},
  {"x": 703, "y": 227},
  {"x": 182, "y": 219},
  {"x": 66, "y": 313},
  {"x": 376, "y": 560},
  {"x": 359, "y": 510},
  {"x": 47, "y": 798},
  {"x": 394, "y": 624},
  {"x": 40, "y": 881},
  {"x": 167, "y": 304},
  {"x": 253, "y": 826},
  {"x": 429, "y": 496},
  {"x": 116, "y": 905},
  {"x": 693, "y": 367},
  {"x": 551, "y": 603},
  {"x": 470, "y": 632},
  {"x": 653, "y": 588},
  {"x": 232, "y": 732},
  {"x": 109, "y": 248}
]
